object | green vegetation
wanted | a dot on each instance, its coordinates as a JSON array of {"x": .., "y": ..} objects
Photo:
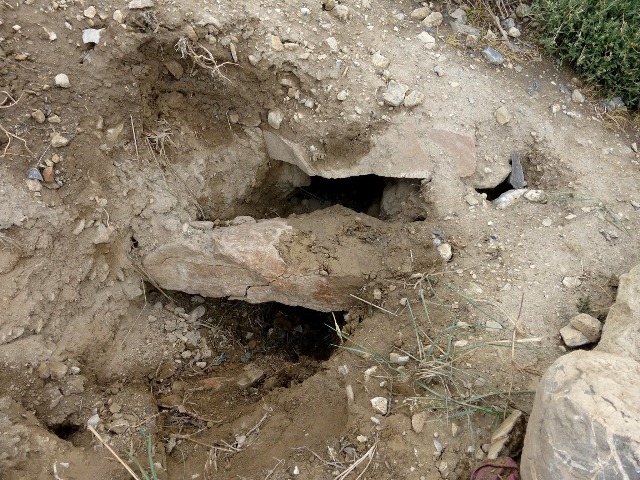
[{"x": 601, "y": 38}]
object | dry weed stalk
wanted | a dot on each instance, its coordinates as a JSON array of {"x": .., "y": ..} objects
[
  {"x": 7, "y": 133},
  {"x": 202, "y": 57},
  {"x": 157, "y": 142}
]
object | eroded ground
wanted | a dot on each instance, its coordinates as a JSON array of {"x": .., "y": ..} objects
[{"x": 164, "y": 146}]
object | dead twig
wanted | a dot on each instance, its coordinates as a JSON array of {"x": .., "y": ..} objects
[
  {"x": 117, "y": 457},
  {"x": 202, "y": 57}
]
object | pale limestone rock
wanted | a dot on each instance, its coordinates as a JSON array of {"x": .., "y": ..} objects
[{"x": 585, "y": 421}]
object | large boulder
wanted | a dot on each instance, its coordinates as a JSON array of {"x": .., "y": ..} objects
[
  {"x": 621, "y": 331},
  {"x": 585, "y": 421},
  {"x": 314, "y": 261}
]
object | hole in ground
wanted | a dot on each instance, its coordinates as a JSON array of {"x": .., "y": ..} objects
[
  {"x": 495, "y": 192},
  {"x": 65, "y": 431},
  {"x": 361, "y": 193}
]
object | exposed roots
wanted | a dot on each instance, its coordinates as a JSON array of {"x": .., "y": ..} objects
[
  {"x": 9, "y": 102},
  {"x": 202, "y": 57}
]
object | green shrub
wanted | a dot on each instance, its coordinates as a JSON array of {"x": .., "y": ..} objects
[{"x": 601, "y": 38}]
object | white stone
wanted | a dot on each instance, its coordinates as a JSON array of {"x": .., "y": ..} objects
[
  {"x": 275, "y": 118},
  {"x": 118, "y": 16},
  {"x": 91, "y": 35},
  {"x": 394, "y": 94},
  {"x": 332, "y": 43},
  {"x": 444, "y": 249},
  {"x": 90, "y": 12},
  {"x": 571, "y": 282},
  {"x": 380, "y": 404},
  {"x": 428, "y": 40},
  {"x": 62, "y": 80},
  {"x": 58, "y": 141},
  {"x": 379, "y": 61},
  {"x": 502, "y": 115},
  {"x": 140, "y": 4}
]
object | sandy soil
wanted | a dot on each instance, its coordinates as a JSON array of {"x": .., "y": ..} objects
[{"x": 227, "y": 389}]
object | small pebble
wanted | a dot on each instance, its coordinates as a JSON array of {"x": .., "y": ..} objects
[
  {"x": 492, "y": 56},
  {"x": 58, "y": 141},
  {"x": 275, "y": 118},
  {"x": 62, "y": 80}
]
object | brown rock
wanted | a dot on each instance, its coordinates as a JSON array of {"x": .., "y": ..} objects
[
  {"x": 213, "y": 383},
  {"x": 461, "y": 149},
  {"x": 47, "y": 174},
  {"x": 58, "y": 369},
  {"x": 589, "y": 326},
  {"x": 251, "y": 376}
]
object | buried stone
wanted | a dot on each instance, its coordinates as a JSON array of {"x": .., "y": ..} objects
[{"x": 296, "y": 261}]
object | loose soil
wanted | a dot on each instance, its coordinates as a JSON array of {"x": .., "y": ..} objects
[{"x": 218, "y": 388}]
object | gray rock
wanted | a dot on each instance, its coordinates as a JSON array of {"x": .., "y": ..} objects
[
  {"x": 577, "y": 96},
  {"x": 621, "y": 330},
  {"x": 463, "y": 28},
  {"x": 523, "y": 10},
  {"x": 492, "y": 56},
  {"x": 34, "y": 174},
  {"x": 91, "y": 35},
  {"x": 399, "y": 153},
  {"x": 615, "y": 103},
  {"x": 508, "y": 23},
  {"x": 140, "y": 4},
  {"x": 439, "y": 70},
  {"x": 585, "y": 421},
  {"x": 589, "y": 326},
  {"x": 432, "y": 20},
  {"x": 573, "y": 338},
  {"x": 459, "y": 15},
  {"x": 516, "y": 177},
  {"x": 394, "y": 94}
]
